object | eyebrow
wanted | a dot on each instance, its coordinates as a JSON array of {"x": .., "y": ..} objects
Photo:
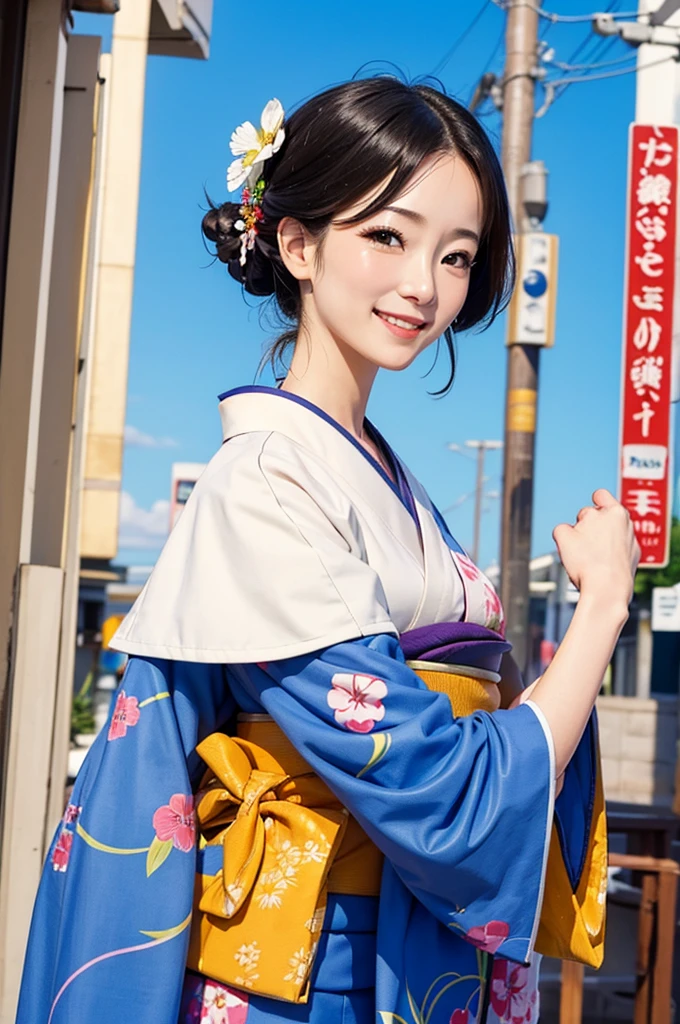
[{"x": 419, "y": 219}]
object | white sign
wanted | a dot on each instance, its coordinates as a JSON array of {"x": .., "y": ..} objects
[
  {"x": 666, "y": 609},
  {"x": 531, "y": 319},
  {"x": 646, "y": 461}
]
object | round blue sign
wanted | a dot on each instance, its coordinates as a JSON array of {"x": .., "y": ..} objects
[{"x": 535, "y": 284}]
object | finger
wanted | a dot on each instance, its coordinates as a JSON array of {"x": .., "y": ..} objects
[
  {"x": 584, "y": 512},
  {"x": 603, "y": 498},
  {"x": 562, "y": 533}
]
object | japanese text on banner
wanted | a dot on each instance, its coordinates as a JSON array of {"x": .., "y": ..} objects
[{"x": 646, "y": 473}]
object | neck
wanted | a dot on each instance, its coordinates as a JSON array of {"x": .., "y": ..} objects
[{"x": 333, "y": 376}]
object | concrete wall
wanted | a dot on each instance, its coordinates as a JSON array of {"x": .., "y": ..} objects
[{"x": 639, "y": 743}]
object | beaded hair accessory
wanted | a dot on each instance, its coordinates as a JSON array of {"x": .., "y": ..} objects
[{"x": 252, "y": 147}]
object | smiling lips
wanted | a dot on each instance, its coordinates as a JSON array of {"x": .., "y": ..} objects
[{"x": 402, "y": 326}]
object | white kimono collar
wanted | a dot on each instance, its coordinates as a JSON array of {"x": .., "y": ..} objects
[
  {"x": 294, "y": 539},
  {"x": 255, "y": 407},
  {"x": 258, "y": 408}
]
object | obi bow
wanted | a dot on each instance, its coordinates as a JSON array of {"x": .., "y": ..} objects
[{"x": 278, "y": 827}]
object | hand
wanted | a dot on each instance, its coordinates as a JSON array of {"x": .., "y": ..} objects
[{"x": 600, "y": 553}]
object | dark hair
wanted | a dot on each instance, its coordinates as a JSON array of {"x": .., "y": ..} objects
[{"x": 339, "y": 146}]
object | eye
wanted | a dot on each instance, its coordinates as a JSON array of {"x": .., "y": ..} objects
[
  {"x": 460, "y": 260},
  {"x": 389, "y": 238}
]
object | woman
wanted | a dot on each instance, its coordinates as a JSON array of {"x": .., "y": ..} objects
[{"x": 372, "y": 839}]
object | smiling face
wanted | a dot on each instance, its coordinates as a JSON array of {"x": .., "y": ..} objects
[{"x": 385, "y": 288}]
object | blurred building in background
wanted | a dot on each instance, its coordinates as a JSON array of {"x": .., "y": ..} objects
[
  {"x": 184, "y": 477},
  {"x": 71, "y": 121}
]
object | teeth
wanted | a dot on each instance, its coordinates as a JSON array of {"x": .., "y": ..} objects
[{"x": 406, "y": 324}]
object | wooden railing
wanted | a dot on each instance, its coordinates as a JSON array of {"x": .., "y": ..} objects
[{"x": 655, "y": 944}]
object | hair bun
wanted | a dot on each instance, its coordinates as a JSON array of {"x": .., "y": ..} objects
[
  {"x": 257, "y": 274},
  {"x": 218, "y": 227}
]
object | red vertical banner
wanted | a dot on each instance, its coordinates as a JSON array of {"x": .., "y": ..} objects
[{"x": 645, "y": 464}]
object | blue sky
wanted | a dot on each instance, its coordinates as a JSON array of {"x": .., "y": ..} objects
[{"x": 194, "y": 335}]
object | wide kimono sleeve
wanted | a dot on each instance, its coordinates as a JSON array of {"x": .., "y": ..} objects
[
  {"x": 574, "y": 907},
  {"x": 461, "y": 808},
  {"x": 110, "y": 927}
]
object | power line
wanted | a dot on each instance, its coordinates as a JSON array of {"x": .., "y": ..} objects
[
  {"x": 564, "y": 66},
  {"x": 556, "y": 18},
  {"x": 499, "y": 42},
  {"x": 461, "y": 39},
  {"x": 488, "y": 62},
  {"x": 583, "y": 45},
  {"x": 601, "y": 48},
  {"x": 606, "y": 74},
  {"x": 586, "y": 42},
  {"x": 598, "y": 49},
  {"x": 545, "y": 28}
]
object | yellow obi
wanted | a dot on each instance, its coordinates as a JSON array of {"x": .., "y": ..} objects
[
  {"x": 287, "y": 841},
  {"x": 280, "y": 828},
  {"x": 468, "y": 689}
]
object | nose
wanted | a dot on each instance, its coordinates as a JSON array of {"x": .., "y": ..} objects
[{"x": 418, "y": 284}]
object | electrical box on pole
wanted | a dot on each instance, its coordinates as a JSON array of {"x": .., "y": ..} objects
[{"x": 531, "y": 313}]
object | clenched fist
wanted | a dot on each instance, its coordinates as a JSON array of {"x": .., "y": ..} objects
[{"x": 600, "y": 553}]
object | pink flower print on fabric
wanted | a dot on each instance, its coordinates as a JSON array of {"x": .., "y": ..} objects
[
  {"x": 512, "y": 998},
  {"x": 222, "y": 1005},
  {"x": 489, "y": 936},
  {"x": 62, "y": 850},
  {"x": 468, "y": 567},
  {"x": 125, "y": 715},
  {"x": 356, "y": 700},
  {"x": 493, "y": 610},
  {"x": 71, "y": 814},
  {"x": 62, "y": 847},
  {"x": 175, "y": 820},
  {"x": 208, "y": 1002}
]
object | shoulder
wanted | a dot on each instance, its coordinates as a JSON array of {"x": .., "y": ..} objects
[
  {"x": 263, "y": 563},
  {"x": 266, "y": 470}
]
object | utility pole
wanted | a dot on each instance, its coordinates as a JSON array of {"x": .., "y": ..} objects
[
  {"x": 522, "y": 375},
  {"x": 479, "y": 488},
  {"x": 482, "y": 447}
]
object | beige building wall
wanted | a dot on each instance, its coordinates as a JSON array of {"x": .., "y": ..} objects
[
  {"x": 84, "y": 135},
  {"x": 108, "y": 396},
  {"x": 45, "y": 597},
  {"x": 30, "y": 601},
  {"x": 28, "y": 281}
]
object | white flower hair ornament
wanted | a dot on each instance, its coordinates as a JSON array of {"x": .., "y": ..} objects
[{"x": 252, "y": 147}]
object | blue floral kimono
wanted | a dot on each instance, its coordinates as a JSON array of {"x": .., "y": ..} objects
[{"x": 284, "y": 590}]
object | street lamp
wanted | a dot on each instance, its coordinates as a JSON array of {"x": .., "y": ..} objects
[{"x": 481, "y": 447}]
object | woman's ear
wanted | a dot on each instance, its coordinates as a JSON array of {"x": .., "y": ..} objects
[{"x": 297, "y": 248}]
